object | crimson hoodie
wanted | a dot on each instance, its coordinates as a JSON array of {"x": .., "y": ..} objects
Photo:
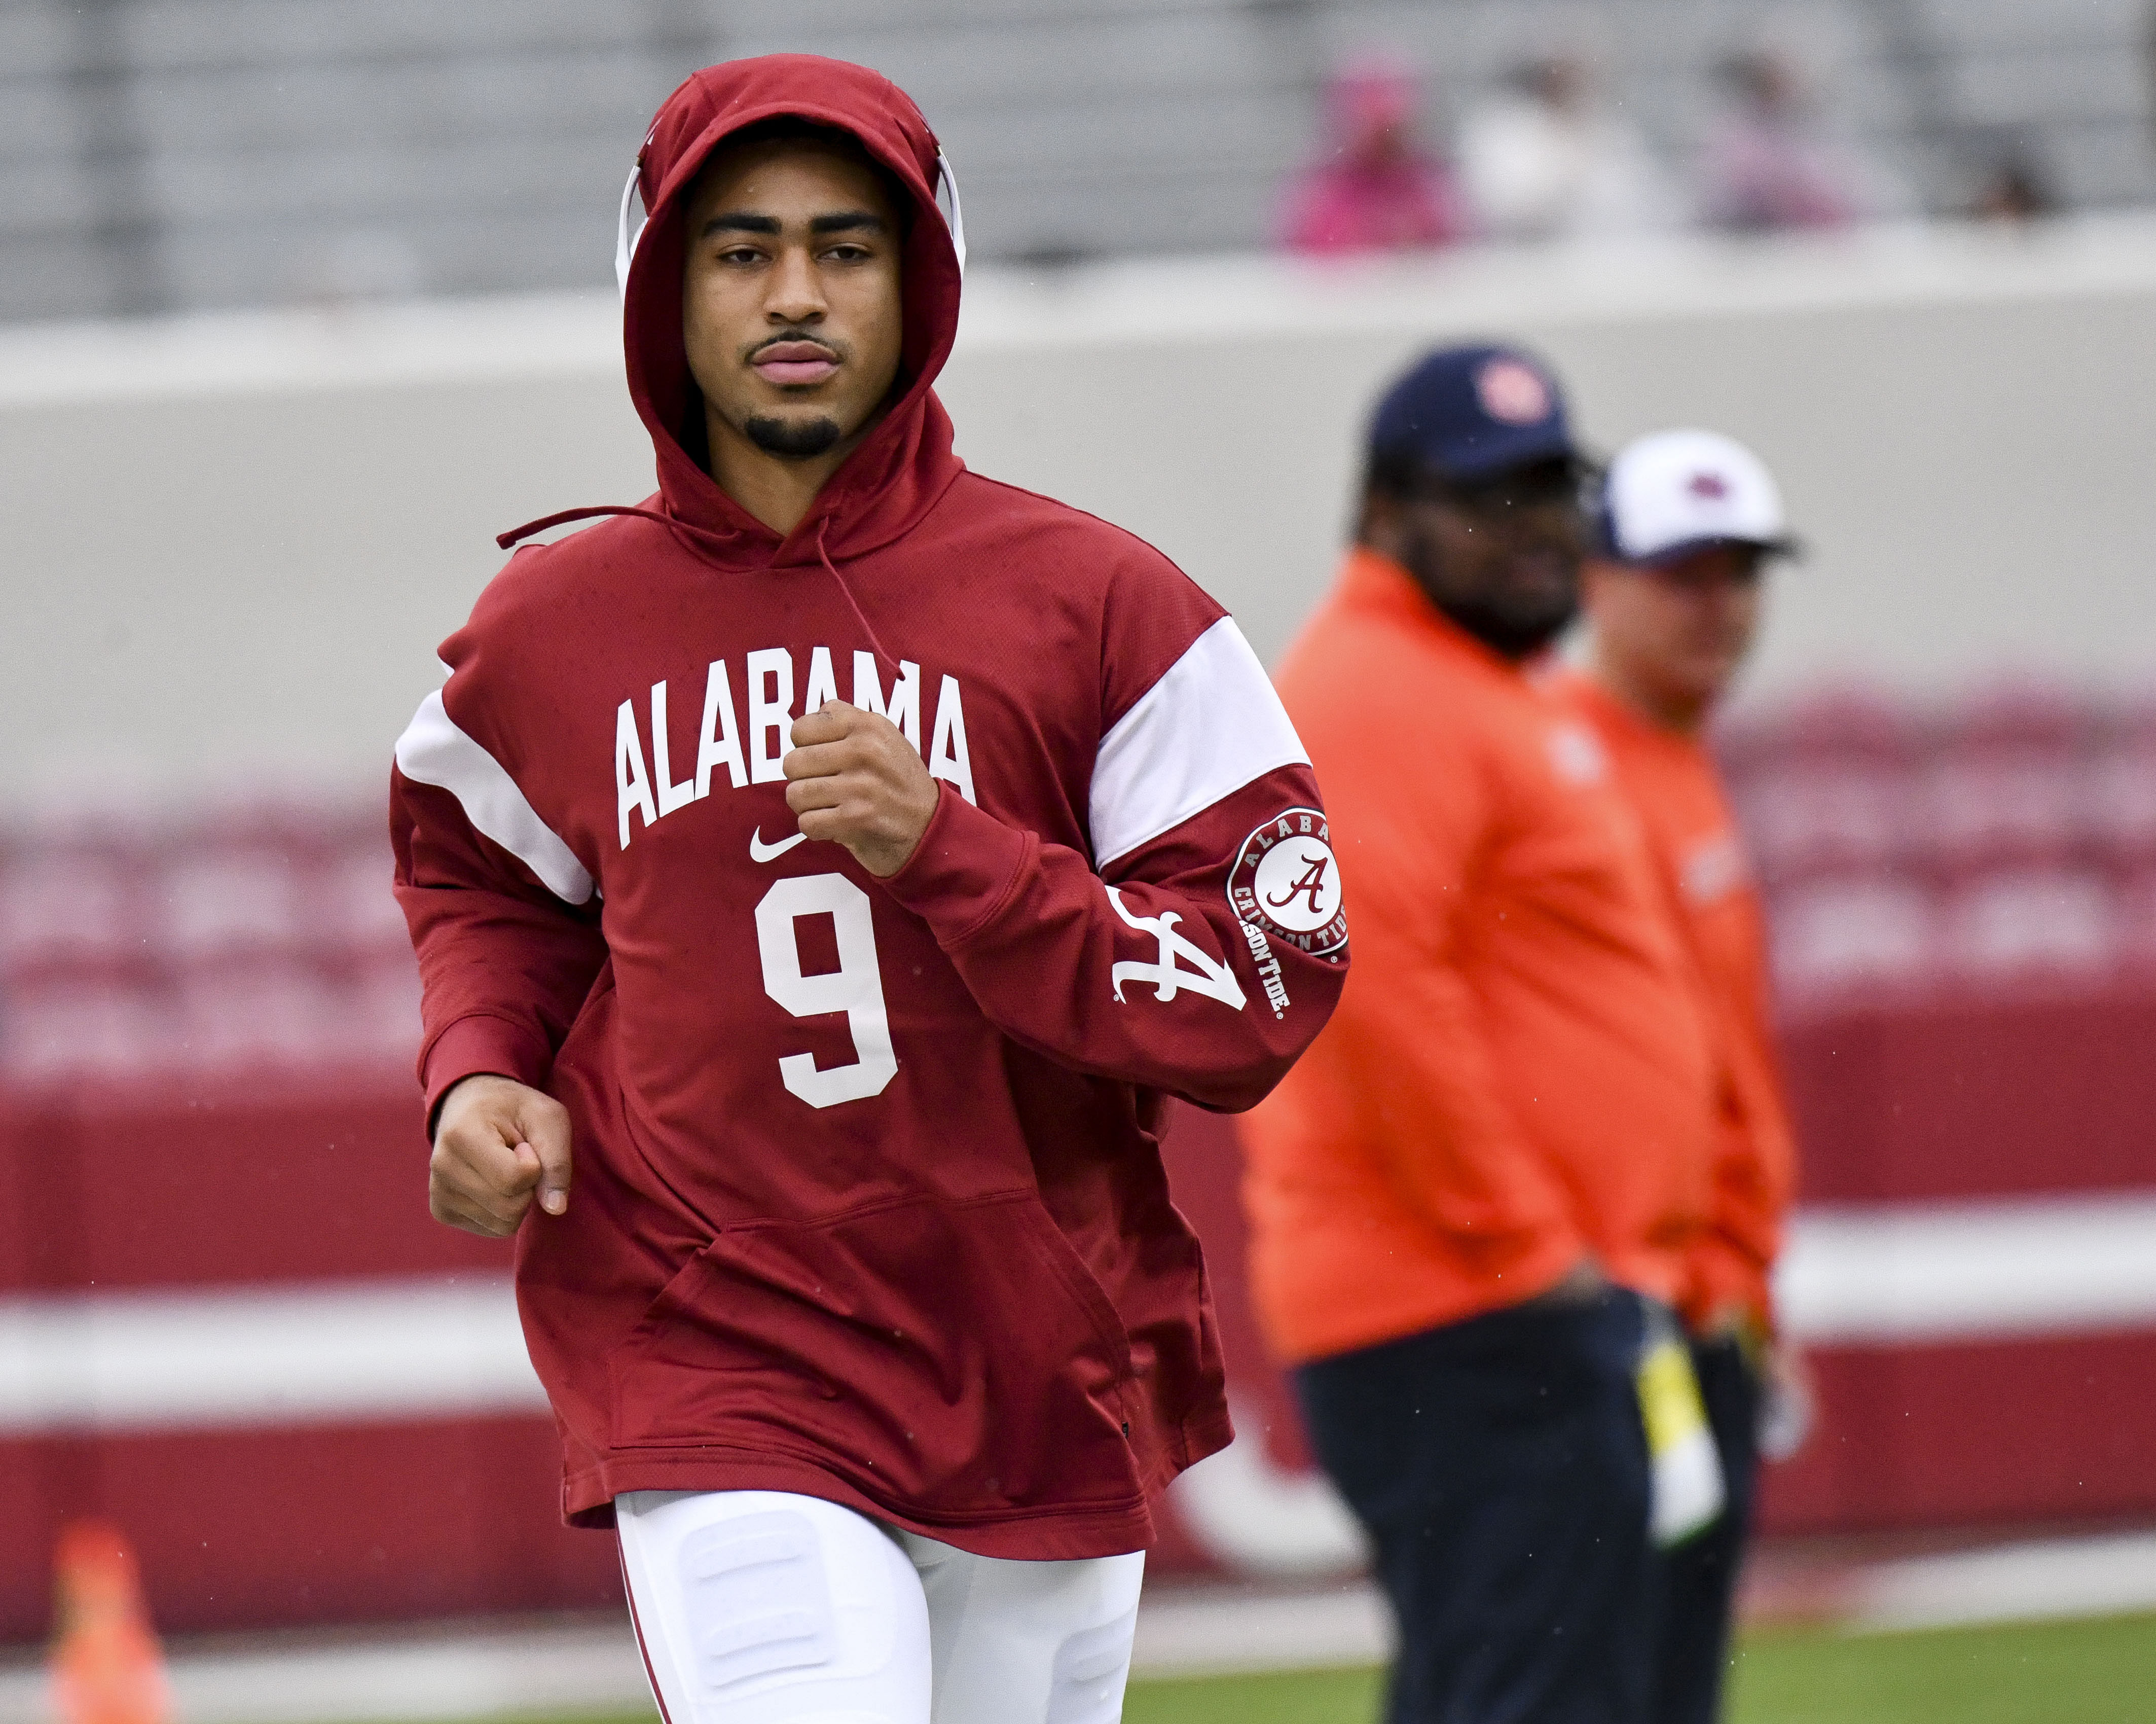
[{"x": 867, "y": 1200}]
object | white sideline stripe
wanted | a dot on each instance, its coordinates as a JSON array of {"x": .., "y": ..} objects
[
  {"x": 468, "y": 1677},
  {"x": 1210, "y": 725},
  {"x": 1181, "y": 1631},
  {"x": 2053, "y": 1579},
  {"x": 434, "y": 751},
  {"x": 1970, "y": 1271},
  {"x": 436, "y": 1348},
  {"x": 1204, "y": 1631},
  {"x": 334, "y": 1352}
]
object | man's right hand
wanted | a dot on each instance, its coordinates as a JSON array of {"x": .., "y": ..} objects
[{"x": 497, "y": 1145}]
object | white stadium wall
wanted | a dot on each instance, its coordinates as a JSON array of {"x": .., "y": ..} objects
[{"x": 232, "y": 543}]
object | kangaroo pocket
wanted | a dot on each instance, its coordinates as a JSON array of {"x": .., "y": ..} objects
[{"x": 951, "y": 1359}]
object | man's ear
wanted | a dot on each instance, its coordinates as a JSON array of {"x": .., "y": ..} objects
[{"x": 1377, "y": 522}]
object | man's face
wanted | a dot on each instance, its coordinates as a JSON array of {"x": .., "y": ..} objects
[
  {"x": 790, "y": 301},
  {"x": 1499, "y": 556},
  {"x": 1680, "y": 629}
]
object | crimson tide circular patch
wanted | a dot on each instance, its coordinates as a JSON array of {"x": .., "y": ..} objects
[{"x": 1286, "y": 882}]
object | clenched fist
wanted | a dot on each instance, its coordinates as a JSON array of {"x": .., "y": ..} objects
[
  {"x": 853, "y": 779},
  {"x": 497, "y": 1145}
]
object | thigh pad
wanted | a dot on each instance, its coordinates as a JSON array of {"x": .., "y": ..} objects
[{"x": 758, "y": 1586}]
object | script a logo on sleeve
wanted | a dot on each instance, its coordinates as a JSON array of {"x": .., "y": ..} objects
[
  {"x": 1285, "y": 883},
  {"x": 1207, "y": 976}
]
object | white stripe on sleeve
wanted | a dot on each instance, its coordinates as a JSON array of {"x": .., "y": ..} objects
[
  {"x": 1209, "y": 726},
  {"x": 434, "y": 751}
]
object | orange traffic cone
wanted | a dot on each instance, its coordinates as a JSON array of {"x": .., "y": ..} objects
[{"x": 107, "y": 1666}]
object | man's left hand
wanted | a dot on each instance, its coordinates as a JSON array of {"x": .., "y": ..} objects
[{"x": 853, "y": 779}]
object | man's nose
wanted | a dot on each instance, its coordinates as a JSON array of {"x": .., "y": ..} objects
[{"x": 796, "y": 295}]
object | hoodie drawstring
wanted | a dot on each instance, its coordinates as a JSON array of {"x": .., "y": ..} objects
[
  {"x": 876, "y": 646},
  {"x": 823, "y": 555},
  {"x": 516, "y": 533}
]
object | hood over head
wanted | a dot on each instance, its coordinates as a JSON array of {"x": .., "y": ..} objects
[{"x": 906, "y": 463}]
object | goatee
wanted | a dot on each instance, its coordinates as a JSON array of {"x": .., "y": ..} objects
[
  {"x": 795, "y": 439},
  {"x": 1514, "y": 622},
  {"x": 1513, "y": 627}
]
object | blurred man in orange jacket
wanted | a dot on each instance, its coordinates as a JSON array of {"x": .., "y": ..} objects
[
  {"x": 1688, "y": 522},
  {"x": 1501, "y": 1140}
]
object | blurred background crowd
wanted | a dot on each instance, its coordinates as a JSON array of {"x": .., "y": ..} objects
[
  {"x": 165, "y": 155},
  {"x": 301, "y": 301}
]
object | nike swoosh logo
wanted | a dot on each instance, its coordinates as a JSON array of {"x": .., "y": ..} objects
[{"x": 758, "y": 851}]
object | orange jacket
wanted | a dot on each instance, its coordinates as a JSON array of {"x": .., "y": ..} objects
[
  {"x": 1517, "y": 1072},
  {"x": 1706, "y": 882}
]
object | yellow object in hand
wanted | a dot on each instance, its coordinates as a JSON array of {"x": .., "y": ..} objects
[{"x": 1688, "y": 1489}]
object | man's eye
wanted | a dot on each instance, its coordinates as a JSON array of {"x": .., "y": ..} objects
[
  {"x": 740, "y": 254},
  {"x": 847, "y": 253}
]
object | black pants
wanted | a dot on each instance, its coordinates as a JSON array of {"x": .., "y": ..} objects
[
  {"x": 1500, "y": 1468},
  {"x": 1699, "y": 1577}
]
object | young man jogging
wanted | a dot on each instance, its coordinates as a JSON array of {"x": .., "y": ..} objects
[
  {"x": 1500, "y": 1141},
  {"x": 822, "y": 875},
  {"x": 1672, "y": 596}
]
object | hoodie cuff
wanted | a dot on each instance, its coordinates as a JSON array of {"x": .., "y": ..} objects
[
  {"x": 472, "y": 1046},
  {"x": 962, "y": 872}
]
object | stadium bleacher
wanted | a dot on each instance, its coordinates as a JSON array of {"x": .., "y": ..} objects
[
  {"x": 2004, "y": 843},
  {"x": 232, "y": 941},
  {"x": 162, "y": 155},
  {"x": 2007, "y": 842}
]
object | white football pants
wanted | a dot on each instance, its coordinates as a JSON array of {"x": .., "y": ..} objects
[{"x": 760, "y": 1606}]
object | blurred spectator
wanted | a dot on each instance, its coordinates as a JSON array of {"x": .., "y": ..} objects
[
  {"x": 1766, "y": 166},
  {"x": 1464, "y": 1198},
  {"x": 1376, "y": 188},
  {"x": 1543, "y": 159},
  {"x": 1673, "y": 598},
  {"x": 2013, "y": 193}
]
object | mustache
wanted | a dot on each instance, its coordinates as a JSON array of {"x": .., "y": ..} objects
[{"x": 837, "y": 350}]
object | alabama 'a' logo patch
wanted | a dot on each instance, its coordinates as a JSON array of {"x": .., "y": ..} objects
[{"x": 1286, "y": 882}]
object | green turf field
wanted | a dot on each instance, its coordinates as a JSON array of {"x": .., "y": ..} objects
[
  {"x": 2102, "y": 1672},
  {"x": 2099, "y": 1672}
]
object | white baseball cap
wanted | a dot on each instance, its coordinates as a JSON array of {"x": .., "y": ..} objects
[{"x": 1674, "y": 491}]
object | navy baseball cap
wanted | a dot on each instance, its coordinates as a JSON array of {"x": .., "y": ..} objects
[{"x": 1470, "y": 413}]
